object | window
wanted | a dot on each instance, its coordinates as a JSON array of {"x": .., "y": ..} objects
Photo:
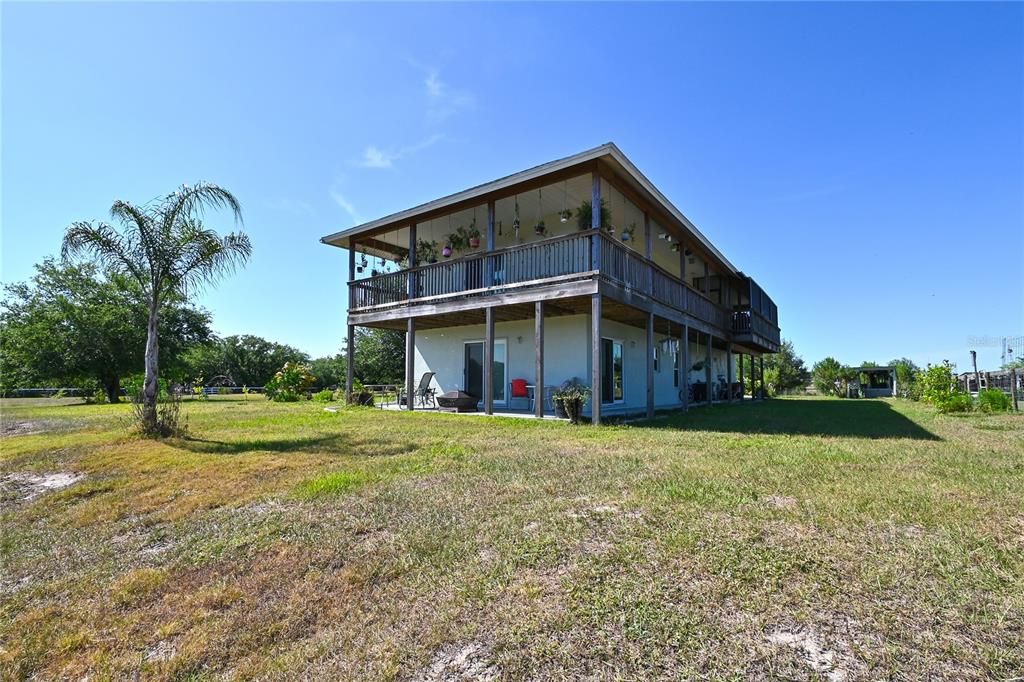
[{"x": 611, "y": 371}]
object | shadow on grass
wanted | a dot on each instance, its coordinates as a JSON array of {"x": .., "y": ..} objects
[
  {"x": 850, "y": 418},
  {"x": 333, "y": 444}
]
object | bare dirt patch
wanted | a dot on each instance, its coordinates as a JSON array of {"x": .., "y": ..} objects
[
  {"x": 781, "y": 501},
  {"x": 829, "y": 656},
  {"x": 460, "y": 663},
  {"x": 26, "y": 486}
]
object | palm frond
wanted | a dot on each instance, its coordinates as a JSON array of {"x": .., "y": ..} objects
[
  {"x": 205, "y": 256},
  {"x": 191, "y": 201},
  {"x": 105, "y": 244}
]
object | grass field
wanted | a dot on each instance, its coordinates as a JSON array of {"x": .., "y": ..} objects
[{"x": 796, "y": 538}]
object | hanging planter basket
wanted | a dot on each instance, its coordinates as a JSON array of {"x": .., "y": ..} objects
[
  {"x": 447, "y": 251},
  {"x": 540, "y": 228}
]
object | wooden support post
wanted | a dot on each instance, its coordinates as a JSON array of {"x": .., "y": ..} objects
[
  {"x": 413, "y": 290},
  {"x": 410, "y": 363},
  {"x": 595, "y": 221},
  {"x": 743, "y": 386},
  {"x": 595, "y": 357},
  {"x": 489, "y": 245},
  {"x": 707, "y": 277},
  {"x": 350, "y": 359},
  {"x": 650, "y": 365},
  {"x": 707, "y": 370},
  {"x": 728, "y": 372},
  {"x": 351, "y": 271},
  {"x": 489, "y": 360},
  {"x": 538, "y": 341},
  {"x": 684, "y": 367},
  {"x": 764, "y": 393},
  {"x": 1013, "y": 389},
  {"x": 648, "y": 240}
]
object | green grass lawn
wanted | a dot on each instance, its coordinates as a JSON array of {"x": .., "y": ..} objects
[{"x": 796, "y": 538}]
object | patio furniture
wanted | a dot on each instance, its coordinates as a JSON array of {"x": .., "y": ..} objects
[
  {"x": 457, "y": 401},
  {"x": 517, "y": 390},
  {"x": 545, "y": 396},
  {"x": 423, "y": 394}
]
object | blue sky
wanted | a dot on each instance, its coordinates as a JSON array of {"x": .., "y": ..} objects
[{"x": 865, "y": 162}]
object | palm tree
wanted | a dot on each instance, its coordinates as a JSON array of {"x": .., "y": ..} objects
[{"x": 166, "y": 249}]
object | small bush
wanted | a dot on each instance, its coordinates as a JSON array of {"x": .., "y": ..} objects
[
  {"x": 290, "y": 383},
  {"x": 994, "y": 400},
  {"x": 570, "y": 398},
  {"x": 954, "y": 403},
  {"x": 169, "y": 419},
  {"x": 224, "y": 390},
  {"x": 99, "y": 397},
  {"x": 324, "y": 396}
]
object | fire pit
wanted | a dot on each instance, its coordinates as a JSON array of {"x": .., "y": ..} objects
[{"x": 457, "y": 401}]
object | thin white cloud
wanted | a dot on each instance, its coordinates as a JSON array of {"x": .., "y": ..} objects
[
  {"x": 375, "y": 157},
  {"x": 347, "y": 206},
  {"x": 443, "y": 101},
  {"x": 434, "y": 85}
]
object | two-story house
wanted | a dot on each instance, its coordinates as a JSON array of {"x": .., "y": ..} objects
[{"x": 577, "y": 268}]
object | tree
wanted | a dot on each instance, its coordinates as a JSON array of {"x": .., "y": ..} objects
[
  {"x": 329, "y": 371},
  {"x": 785, "y": 370},
  {"x": 71, "y": 326},
  {"x": 244, "y": 360},
  {"x": 906, "y": 377},
  {"x": 379, "y": 355},
  {"x": 167, "y": 251},
  {"x": 830, "y": 377}
]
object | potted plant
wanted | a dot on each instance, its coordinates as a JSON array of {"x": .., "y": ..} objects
[
  {"x": 473, "y": 235},
  {"x": 570, "y": 398},
  {"x": 540, "y": 228},
  {"x": 426, "y": 252},
  {"x": 627, "y": 232},
  {"x": 584, "y": 215},
  {"x": 447, "y": 250},
  {"x": 564, "y": 215}
]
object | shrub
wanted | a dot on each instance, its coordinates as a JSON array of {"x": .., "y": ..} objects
[
  {"x": 994, "y": 400},
  {"x": 290, "y": 382},
  {"x": 936, "y": 383},
  {"x": 99, "y": 397},
  {"x": 571, "y": 398},
  {"x": 955, "y": 402},
  {"x": 224, "y": 390},
  {"x": 169, "y": 420},
  {"x": 324, "y": 396}
]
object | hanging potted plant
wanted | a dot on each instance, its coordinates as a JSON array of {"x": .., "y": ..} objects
[
  {"x": 473, "y": 235},
  {"x": 447, "y": 250},
  {"x": 564, "y": 215},
  {"x": 540, "y": 228},
  {"x": 627, "y": 232}
]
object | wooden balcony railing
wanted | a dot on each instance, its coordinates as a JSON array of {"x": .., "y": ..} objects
[
  {"x": 562, "y": 257},
  {"x": 752, "y": 322}
]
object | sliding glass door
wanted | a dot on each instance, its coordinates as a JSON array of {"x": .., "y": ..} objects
[{"x": 473, "y": 369}]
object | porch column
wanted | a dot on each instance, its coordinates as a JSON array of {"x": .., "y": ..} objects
[
  {"x": 743, "y": 386},
  {"x": 412, "y": 262},
  {"x": 410, "y": 362},
  {"x": 648, "y": 241},
  {"x": 764, "y": 393},
  {"x": 650, "y": 364},
  {"x": 351, "y": 270},
  {"x": 489, "y": 360},
  {"x": 728, "y": 371},
  {"x": 595, "y": 221},
  {"x": 595, "y": 357},
  {"x": 707, "y": 367},
  {"x": 350, "y": 355},
  {"x": 538, "y": 342},
  {"x": 684, "y": 367},
  {"x": 489, "y": 245}
]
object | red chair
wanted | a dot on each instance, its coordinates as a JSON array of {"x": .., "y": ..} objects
[{"x": 519, "y": 389}]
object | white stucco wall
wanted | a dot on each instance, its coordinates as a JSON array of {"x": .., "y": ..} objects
[{"x": 566, "y": 355}]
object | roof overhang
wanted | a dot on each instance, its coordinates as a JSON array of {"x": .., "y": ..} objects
[{"x": 607, "y": 154}]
